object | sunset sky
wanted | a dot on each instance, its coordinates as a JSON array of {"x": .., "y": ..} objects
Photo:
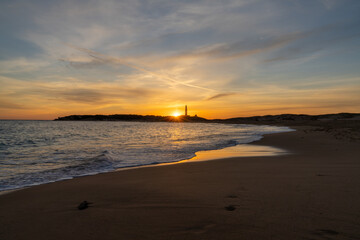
[{"x": 222, "y": 58}]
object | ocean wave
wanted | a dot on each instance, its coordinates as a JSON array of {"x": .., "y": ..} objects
[
  {"x": 98, "y": 164},
  {"x": 52, "y": 151}
]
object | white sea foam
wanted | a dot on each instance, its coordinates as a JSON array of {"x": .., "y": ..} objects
[{"x": 37, "y": 152}]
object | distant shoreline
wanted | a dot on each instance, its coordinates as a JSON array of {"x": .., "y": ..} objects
[
  {"x": 282, "y": 119},
  {"x": 132, "y": 117}
]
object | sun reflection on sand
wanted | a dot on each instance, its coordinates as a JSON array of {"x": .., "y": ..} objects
[{"x": 242, "y": 150}]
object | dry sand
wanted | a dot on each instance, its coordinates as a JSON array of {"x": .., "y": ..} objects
[{"x": 313, "y": 193}]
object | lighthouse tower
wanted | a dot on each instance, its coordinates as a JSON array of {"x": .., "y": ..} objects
[{"x": 186, "y": 111}]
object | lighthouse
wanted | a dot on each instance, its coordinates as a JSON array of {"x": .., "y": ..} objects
[{"x": 186, "y": 111}]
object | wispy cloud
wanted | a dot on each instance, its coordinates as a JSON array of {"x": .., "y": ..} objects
[
  {"x": 221, "y": 95},
  {"x": 91, "y": 95},
  {"x": 80, "y": 93},
  {"x": 102, "y": 58},
  {"x": 21, "y": 64},
  {"x": 83, "y": 64},
  {"x": 6, "y": 104},
  {"x": 329, "y": 4},
  {"x": 242, "y": 48},
  {"x": 319, "y": 39}
]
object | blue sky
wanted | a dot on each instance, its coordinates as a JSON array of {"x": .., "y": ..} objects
[{"x": 222, "y": 58}]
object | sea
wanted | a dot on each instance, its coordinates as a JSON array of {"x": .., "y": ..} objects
[{"x": 38, "y": 152}]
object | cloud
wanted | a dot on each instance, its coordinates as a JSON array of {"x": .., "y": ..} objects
[
  {"x": 5, "y": 104},
  {"x": 329, "y": 4},
  {"x": 220, "y": 95},
  {"x": 92, "y": 95},
  {"x": 84, "y": 64},
  {"x": 80, "y": 95},
  {"x": 81, "y": 92},
  {"x": 242, "y": 48},
  {"x": 278, "y": 47},
  {"x": 99, "y": 57},
  {"x": 319, "y": 39},
  {"x": 21, "y": 64}
]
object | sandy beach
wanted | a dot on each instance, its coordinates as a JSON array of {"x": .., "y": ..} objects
[{"x": 311, "y": 193}]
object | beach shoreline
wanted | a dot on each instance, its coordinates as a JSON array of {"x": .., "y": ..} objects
[
  {"x": 308, "y": 194},
  {"x": 233, "y": 148},
  {"x": 237, "y": 151}
]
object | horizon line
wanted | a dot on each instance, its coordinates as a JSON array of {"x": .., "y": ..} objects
[{"x": 338, "y": 113}]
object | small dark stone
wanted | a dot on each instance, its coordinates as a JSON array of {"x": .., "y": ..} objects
[
  {"x": 83, "y": 205},
  {"x": 230, "y": 208}
]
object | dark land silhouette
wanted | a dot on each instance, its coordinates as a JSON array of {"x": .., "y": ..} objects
[
  {"x": 291, "y": 119},
  {"x": 132, "y": 117}
]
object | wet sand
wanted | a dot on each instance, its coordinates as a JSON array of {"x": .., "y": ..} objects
[{"x": 312, "y": 193}]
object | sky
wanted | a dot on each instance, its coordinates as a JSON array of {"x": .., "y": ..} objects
[{"x": 223, "y": 58}]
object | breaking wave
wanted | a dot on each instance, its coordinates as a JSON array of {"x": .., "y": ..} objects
[{"x": 38, "y": 152}]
